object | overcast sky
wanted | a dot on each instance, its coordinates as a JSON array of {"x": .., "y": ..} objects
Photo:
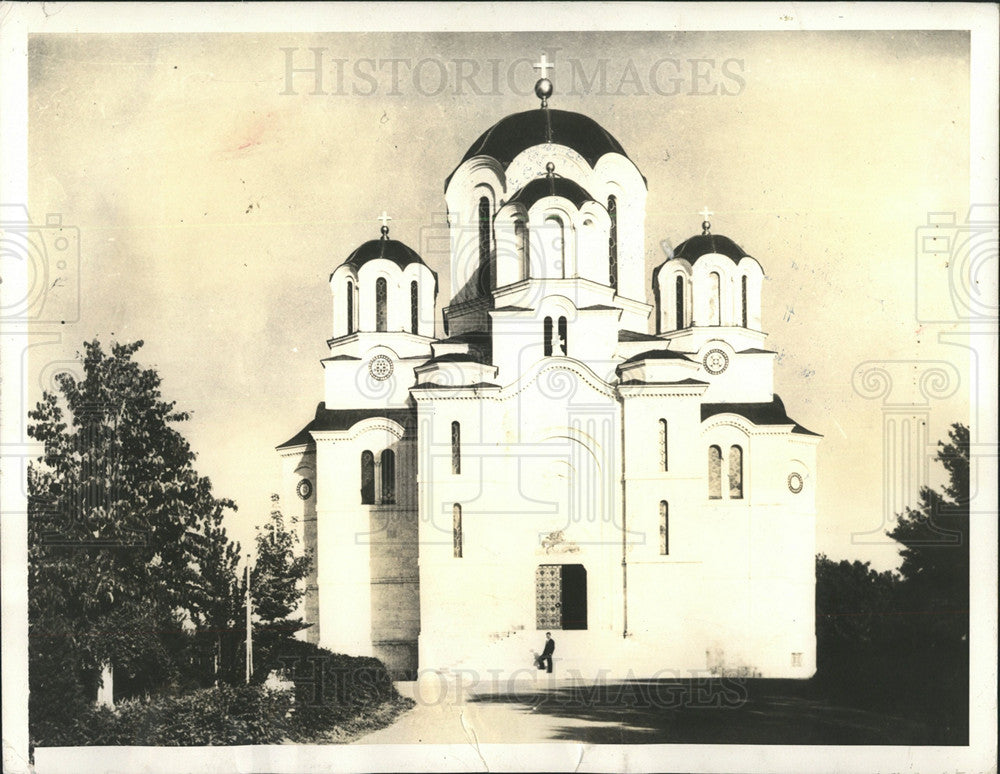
[{"x": 212, "y": 206}]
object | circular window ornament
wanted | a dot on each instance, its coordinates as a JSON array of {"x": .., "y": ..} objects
[
  {"x": 794, "y": 483},
  {"x": 380, "y": 367},
  {"x": 304, "y": 488},
  {"x": 715, "y": 361}
]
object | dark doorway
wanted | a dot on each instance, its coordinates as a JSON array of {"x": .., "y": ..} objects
[
  {"x": 561, "y": 596},
  {"x": 574, "y": 596}
]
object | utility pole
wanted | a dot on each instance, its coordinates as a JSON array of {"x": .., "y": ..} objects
[{"x": 249, "y": 625}]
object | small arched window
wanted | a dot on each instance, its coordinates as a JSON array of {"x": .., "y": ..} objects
[
  {"x": 743, "y": 294},
  {"x": 735, "y": 473},
  {"x": 456, "y": 530},
  {"x": 547, "y": 337},
  {"x": 563, "y": 341},
  {"x": 388, "y": 465},
  {"x": 613, "y": 242},
  {"x": 663, "y": 445},
  {"x": 350, "y": 307},
  {"x": 484, "y": 245},
  {"x": 714, "y": 472},
  {"x": 414, "y": 306},
  {"x": 521, "y": 237},
  {"x": 664, "y": 528},
  {"x": 456, "y": 448},
  {"x": 381, "y": 301},
  {"x": 367, "y": 478},
  {"x": 679, "y": 302},
  {"x": 713, "y": 299}
]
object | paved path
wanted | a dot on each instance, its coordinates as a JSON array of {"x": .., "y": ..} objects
[{"x": 446, "y": 713}]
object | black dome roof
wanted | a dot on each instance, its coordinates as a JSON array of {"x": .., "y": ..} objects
[
  {"x": 541, "y": 187},
  {"x": 519, "y": 131},
  {"x": 694, "y": 248},
  {"x": 389, "y": 249}
]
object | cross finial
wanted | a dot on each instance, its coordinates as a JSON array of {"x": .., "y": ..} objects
[
  {"x": 705, "y": 224},
  {"x": 544, "y": 65},
  {"x": 385, "y": 223}
]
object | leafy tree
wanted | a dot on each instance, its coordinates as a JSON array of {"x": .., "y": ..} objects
[
  {"x": 276, "y": 581},
  {"x": 126, "y": 544},
  {"x": 935, "y": 538}
]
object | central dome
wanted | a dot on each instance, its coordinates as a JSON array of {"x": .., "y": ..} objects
[{"x": 520, "y": 131}]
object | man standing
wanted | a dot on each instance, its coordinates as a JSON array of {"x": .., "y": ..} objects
[{"x": 546, "y": 657}]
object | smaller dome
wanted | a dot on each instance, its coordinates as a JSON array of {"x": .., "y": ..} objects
[
  {"x": 703, "y": 244},
  {"x": 541, "y": 187},
  {"x": 387, "y": 249}
]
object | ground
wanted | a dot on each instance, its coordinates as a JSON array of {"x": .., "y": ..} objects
[{"x": 727, "y": 711}]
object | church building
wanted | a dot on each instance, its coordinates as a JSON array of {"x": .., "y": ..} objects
[{"x": 575, "y": 454}]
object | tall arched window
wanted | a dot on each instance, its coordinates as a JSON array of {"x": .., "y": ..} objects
[
  {"x": 563, "y": 340},
  {"x": 556, "y": 234},
  {"x": 547, "y": 337},
  {"x": 388, "y": 465},
  {"x": 350, "y": 307},
  {"x": 663, "y": 444},
  {"x": 714, "y": 472},
  {"x": 613, "y": 242},
  {"x": 414, "y": 306},
  {"x": 679, "y": 302},
  {"x": 456, "y": 448},
  {"x": 664, "y": 528},
  {"x": 713, "y": 299},
  {"x": 456, "y": 530},
  {"x": 743, "y": 293},
  {"x": 484, "y": 245},
  {"x": 367, "y": 478},
  {"x": 659, "y": 311},
  {"x": 381, "y": 300},
  {"x": 521, "y": 237},
  {"x": 735, "y": 473}
]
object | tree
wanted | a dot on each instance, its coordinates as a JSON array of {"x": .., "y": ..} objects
[
  {"x": 126, "y": 546},
  {"x": 935, "y": 538},
  {"x": 276, "y": 582}
]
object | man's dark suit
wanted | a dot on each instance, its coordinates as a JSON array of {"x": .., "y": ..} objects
[{"x": 546, "y": 657}]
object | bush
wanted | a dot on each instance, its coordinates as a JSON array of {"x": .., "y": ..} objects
[{"x": 330, "y": 688}]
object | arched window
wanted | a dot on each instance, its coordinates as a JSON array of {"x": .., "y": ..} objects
[
  {"x": 556, "y": 234},
  {"x": 743, "y": 288},
  {"x": 547, "y": 337},
  {"x": 663, "y": 444},
  {"x": 713, "y": 299},
  {"x": 613, "y": 242},
  {"x": 367, "y": 478},
  {"x": 414, "y": 306},
  {"x": 521, "y": 237},
  {"x": 735, "y": 473},
  {"x": 656, "y": 302},
  {"x": 456, "y": 448},
  {"x": 350, "y": 307},
  {"x": 456, "y": 530},
  {"x": 664, "y": 528},
  {"x": 563, "y": 341},
  {"x": 381, "y": 294},
  {"x": 484, "y": 245},
  {"x": 679, "y": 302},
  {"x": 388, "y": 465},
  {"x": 714, "y": 472}
]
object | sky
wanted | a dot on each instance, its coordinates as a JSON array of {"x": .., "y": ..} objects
[{"x": 215, "y": 192}]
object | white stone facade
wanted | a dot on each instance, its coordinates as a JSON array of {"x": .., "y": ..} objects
[{"x": 551, "y": 464}]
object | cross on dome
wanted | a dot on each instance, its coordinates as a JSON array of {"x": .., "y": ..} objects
[
  {"x": 705, "y": 224},
  {"x": 385, "y": 223},
  {"x": 544, "y": 65}
]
